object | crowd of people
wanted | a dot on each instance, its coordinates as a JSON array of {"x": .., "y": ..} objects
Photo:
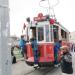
[
  {"x": 21, "y": 45},
  {"x": 66, "y": 57}
]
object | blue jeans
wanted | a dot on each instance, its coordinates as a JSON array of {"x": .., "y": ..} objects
[
  {"x": 36, "y": 60},
  {"x": 56, "y": 59},
  {"x": 23, "y": 50}
]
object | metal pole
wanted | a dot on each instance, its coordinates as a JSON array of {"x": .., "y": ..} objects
[
  {"x": 5, "y": 56},
  {"x": 49, "y": 6}
]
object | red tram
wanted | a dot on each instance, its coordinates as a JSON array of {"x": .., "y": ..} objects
[{"x": 46, "y": 30}]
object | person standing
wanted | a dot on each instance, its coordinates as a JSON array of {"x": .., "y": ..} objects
[
  {"x": 56, "y": 52},
  {"x": 35, "y": 52},
  {"x": 13, "y": 57},
  {"x": 66, "y": 61},
  {"x": 22, "y": 45}
]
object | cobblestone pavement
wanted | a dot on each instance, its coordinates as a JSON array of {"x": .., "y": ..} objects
[{"x": 20, "y": 68}]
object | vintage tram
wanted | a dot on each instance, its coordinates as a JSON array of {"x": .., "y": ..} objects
[{"x": 46, "y": 30}]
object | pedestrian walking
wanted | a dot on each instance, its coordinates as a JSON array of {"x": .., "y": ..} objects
[{"x": 66, "y": 61}]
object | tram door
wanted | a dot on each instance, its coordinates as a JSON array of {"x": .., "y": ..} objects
[
  {"x": 33, "y": 32},
  {"x": 55, "y": 33},
  {"x": 56, "y": 38}
]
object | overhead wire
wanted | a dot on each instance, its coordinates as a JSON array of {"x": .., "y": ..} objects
[
  {"x": 43, "y": 6},
  {"x": 56, "y": 3},
  {"x": 50, "y": 8},
  {"x": 53, "y": 8}
]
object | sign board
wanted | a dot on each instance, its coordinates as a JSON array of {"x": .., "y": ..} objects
[{"x": 40, "y": 17}]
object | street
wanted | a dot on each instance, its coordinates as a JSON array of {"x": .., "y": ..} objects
[{"x": 20, "y": 68}]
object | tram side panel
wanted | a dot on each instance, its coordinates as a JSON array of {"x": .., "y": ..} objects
[
  {"x": 29, "y": 52},
  {"x": 49, "y": 52},
  {"x": 41, "y": 52},
  {"x": 46, "y": 54}
]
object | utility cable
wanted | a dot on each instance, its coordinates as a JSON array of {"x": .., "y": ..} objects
[{"x": 50, "y": 7}]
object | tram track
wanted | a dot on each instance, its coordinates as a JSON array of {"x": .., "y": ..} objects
[
  {"x": 41, "y": 71},
  {"x": 53, "y": 69},
  {"x": 48, "y": 70},
  {"x": 30, "y": 72}
]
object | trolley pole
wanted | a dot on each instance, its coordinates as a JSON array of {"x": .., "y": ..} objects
[
  {"x": 49, "y": 6},
  {"x": 5, "y": 56}
]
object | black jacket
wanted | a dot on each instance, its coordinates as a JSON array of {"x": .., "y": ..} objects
[{"x": 66, "y": 63}]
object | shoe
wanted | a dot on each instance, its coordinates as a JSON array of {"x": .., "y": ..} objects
[
  {"x": 59, "y": 64},
  {"x": 38, "y": 67},
  {"x": 56, "y": 66},
  {"x": 35, "y": 65}
]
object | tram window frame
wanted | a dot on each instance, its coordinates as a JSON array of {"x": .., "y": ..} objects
[
  {"x": 55, "y": 37},
  {"x": 51, "y": 33},
  {"x": 41, "y": 34},
  {"x": 31, "y": 32},
  {"x": 47, "y": 33},
  {"x": 63, "y": 34}
]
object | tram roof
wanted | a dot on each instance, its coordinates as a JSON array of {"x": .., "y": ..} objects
[{"x": 56, "y": 23}]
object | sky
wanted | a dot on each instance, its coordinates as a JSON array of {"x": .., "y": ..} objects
[{"x": 21, "y": 9}]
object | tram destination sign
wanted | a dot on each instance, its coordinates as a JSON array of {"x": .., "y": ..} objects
[{"x": 40, "y": 17}]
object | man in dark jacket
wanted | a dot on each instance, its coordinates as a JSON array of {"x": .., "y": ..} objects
[{"x": 66, "y": 61}]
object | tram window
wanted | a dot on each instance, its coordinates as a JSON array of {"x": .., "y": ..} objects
[
  {"x": 32, "y": 32},
  {"x": 55, "y": 32},
  {"x": 63, "y": 34},
  {"x": 40, "y": 34},
  {"x": 51, "y": 31},
  {"x": 47, "y": 33}
]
